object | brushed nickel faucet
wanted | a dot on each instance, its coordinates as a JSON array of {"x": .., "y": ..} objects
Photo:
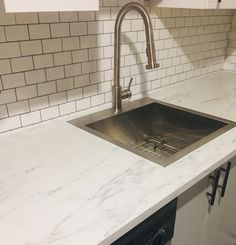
[{"x": 119, "y": 94}]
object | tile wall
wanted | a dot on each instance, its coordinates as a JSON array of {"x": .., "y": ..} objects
[
  {"x": 54, "y": 64},
  {"x": 230, "y": 61}
]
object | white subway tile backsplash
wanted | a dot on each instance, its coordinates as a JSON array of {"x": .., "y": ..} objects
[
  {"x": 80, "y": 56},
  {"x": 35, "y": 76},
  {"x": 48, "y": 17},
  {"x": 43, "y": 61},
  {"x": 88, "y": 41},
  {"x": 9, "y": 50},
  {"x": 7, "y": 19},
  {"x": 74, "y": 94},
  {"x": 22, "y": 64},
  {"x": 89, "y": 67},
  {"x": 60, "y": 30},
  {"x": 46, "y": 88},
  {"x": 70, "y": 43},
  {"x": 26, "y": 18},
  {"x": 104, "y": 13},
  {"x": 96, "y": 77},
  {"x": 52, "y": 45},
  {"x": 104, "y": 64},
  {"x": 86, "y": 16},
  {"x": 57, "y": 98},
  {"x": 39, "y": 103},
  {"x": 68, "y": 16},
  {"x": 1, "y": 86},
  {"x": 31, "y": 47},
  {"x": 97, "y": 100},
  {"x": 67, "y": 65},
  {"x": 108, "y": 26},
  {"x": 10, "y": 123},
  {"x": 104, "y": 40},
  {"x": 50, "y": 113},
  {"x": 7, "y": 96},
  {"x": 55, "y": 73},
  {"x": 30, "y": 118},
  {"x": 13, "y": 80},
  {"x": 18, "y": 108},
  {"x": 95, "y": 27},
  {"x": 65, "y": 84},
  {"x": 2, "y": 34},
  {"x": 63, "y": 58},
  {"x": 73, "y": 70},
  {"x": 3, "y": 111},
  {"x": 26, "y": 92},
  {"x": 39, "y": 31},
  {"x": 67, "y": 108},
  {"x": 16, "y": 33},
  {"x": 81, "y": 81},
  {"x": 78, "y": 29},
  {"x": 83, "y": 104},
  {"x": 90, "y": 90},
  {"x": 230, "y": 62}
]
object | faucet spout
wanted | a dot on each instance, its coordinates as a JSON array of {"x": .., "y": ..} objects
[{"x": 117, "y": 91}]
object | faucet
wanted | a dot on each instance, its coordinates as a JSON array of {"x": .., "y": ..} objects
[{"x": 119, "y": 94}]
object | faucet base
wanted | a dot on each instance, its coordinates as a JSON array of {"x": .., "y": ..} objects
[{"x": 116, "y": 99}]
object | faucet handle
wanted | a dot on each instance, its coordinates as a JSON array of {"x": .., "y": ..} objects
[
  {"x": 127, "y": 93},
  {"x": 130, "y": 83}
]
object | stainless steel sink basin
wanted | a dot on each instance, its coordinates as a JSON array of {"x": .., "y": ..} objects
[{"x": 154, "y": 130}]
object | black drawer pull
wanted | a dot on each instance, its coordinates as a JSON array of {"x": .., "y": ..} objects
[
  {"x": 215, "y": 185},
  {"x": 225, "y": 182}
]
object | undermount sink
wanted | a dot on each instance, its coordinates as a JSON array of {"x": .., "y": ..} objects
[{"x": 155, "y": 130}]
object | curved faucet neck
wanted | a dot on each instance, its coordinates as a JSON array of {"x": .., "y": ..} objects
[{"x": 150, "y": 48}]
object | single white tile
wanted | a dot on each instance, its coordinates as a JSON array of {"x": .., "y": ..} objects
[
  {"x": 26, "y": 18},
  {"x": 74, "y": 94},
  {"x": 46, "y": 88},
  {"x": 31, "y": 47},
  {"x": 36, "y": 76},
  {"x": 3, "y": 111},
  {"x": 16, "y": 33},
  {"x": 83, "y": 104},
  {"x": 50, "y": 113},
  {"x": 26, "y": 92},
  {"x": 52, "y": 45},
  {"x": 65, "y": 84},
  {"x": 9, "y": 50},
  {"x": 7, "y": 96},
  {"x": 67, "y": 108},
  {"x": 55, "y": 73},
  {"x": 22, "y": 64},
  {"x": 43, "y": 61},
  {"x": 9, "y": 124},
  {"x": 57, "y": 98},
  {"x": 60, "y": 30},
  {"x": 30, "y": 118},
  {"x": 18, "y": 108},
  {"x": 39, "y": 103},
  {"x": 39, "y": 31}
]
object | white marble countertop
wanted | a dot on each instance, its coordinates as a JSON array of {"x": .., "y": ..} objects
[{"x": 60, "y": 185}]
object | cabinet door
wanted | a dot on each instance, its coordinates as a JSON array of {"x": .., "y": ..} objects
[
  {"x": 198, "y": 4},
  {"x": 221, "y": 225},
  {"x": 227, "y": 4},
  {"x": 227, "y": 226},
  {"x": 47, "y": 5},
  {"x": 180, "y": 3},
  {"x": 191, "y": 215}
]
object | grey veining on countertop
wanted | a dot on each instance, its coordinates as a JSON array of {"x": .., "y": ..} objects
[
  {"x": 213, "y": 94},
  {"x": 61, "y": 185}
]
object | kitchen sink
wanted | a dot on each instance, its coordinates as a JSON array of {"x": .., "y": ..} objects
[{"x": 157, "y": 131}]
